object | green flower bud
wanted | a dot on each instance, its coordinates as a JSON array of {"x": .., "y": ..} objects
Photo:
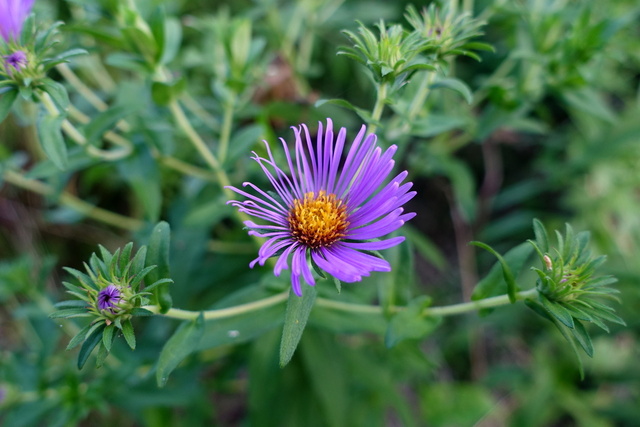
[{"x": 110, "y": 293}]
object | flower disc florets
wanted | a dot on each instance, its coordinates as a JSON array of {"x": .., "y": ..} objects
[
  {"x": 16, "y": 60},
  {"x": 113, "y": 299},
  {"x": 108, "y": 298},
  {"x": 318, "y": 220},
  {"x": 328, "y": 212}
]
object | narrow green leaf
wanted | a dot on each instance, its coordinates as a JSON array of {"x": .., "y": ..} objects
[
  {"x": 97, "y": 265},
  {"x": 6, "y": 102},
  {"x": 512, "y": 287},
  {"x": 143, "y": 42},
  {"x": 63, "y": 57},
  {"x": 172, "y": 40},
  {"x": 543, "y": 312},
  {"x": 571, "y": 342},
  {"x": 106, "y": 120},
  {"x": 105, "y": 254},
  {"x": 582, "y": 336},
  {"x": 570, "y": 242},
  {"x": 577, "y": 313},
  {"x": 598, "y": 312},
  {"x": 51, "y": 139},
  {"x": 179, "y": 346},
  {"x": 435, "y": 124},
  {"x": 542, "y": 238},
  {"x": 79, "y": 337},
  {"x": 602, "y": 281},
  {"x": 156, "y": 284},
  {"x": 364, "y": 114},
  {"x": 43, "y": 37},
  {"x": 538, "y": 308},
  {"x": 71, "y": 304},
  {"x": 137, "y": 279},
  {"x": 338, "y": 284},
  {"x": 557, "y": 311},
  {"x": 590, "y": 101},
  {"x": 129, "y": 335},
  {"x": 139, "y": 260},
  {"x": 455, "y": 85},
  {"x": 107, "y": 336},
  {"x": 159, "y": 245},
  {"x": 57, "y": 92},
  {"x": 82, "y": 278},
  {"x": 90, "y": 343},
  {"x": 143, "y": 312},
  {"x": 101, "y": 356},
  {"x": 494, "y": 283},
  {"x": 125, "y": 256},
  {"x": 70, "y": 312},
  {"x": 295, "y": 320}
]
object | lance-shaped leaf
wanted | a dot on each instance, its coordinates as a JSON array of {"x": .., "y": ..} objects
[{"x": 298, "y": 310}]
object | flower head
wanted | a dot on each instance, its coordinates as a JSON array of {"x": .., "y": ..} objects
[
  {"x": 327, "y": 212},
  {"x": 12, "y": 16},
  {"x": 108, "y": 297}
]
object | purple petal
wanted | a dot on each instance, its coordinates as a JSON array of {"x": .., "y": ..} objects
[{"x": 376, "y": 245}]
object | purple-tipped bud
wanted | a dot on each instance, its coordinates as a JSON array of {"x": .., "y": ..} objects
[
  {"x": 108, "y": 297},
  {"x": 17, "y": 60},
  {"x": 12, "y": 16}
]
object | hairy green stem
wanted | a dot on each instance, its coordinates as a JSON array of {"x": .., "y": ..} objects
[
  {"x": 82, "y": 88},
  {"x": 88, "y": 94},
  {"x": 75, "y": 135},
  {"x": 447, "y": 310},
  {"x": 421, "y": 95},
  {"x": 73, "y": 202},
  {"x": 184, "y": 167},
  {"x": 378, "y": 107},
  {"x": 185, "y": 125},
  {"x": 225, "y": 133},
  {"x": 222, "y": 313}
]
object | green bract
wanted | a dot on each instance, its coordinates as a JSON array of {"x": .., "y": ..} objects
[
  {"x": 570, "y": 290},
  {"x": 449, "y": 33},
  {"x": 397, "y": 53},
  {"x": 41, "y": 56},
  {"x": 392, "y": 56}
]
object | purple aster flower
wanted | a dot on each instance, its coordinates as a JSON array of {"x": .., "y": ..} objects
[
  {"x": 12, "y": 16},
  {"x": 328, "y": 210},
  {"x": 17, "y": 60},
  {"x": 108, "y": 297}
]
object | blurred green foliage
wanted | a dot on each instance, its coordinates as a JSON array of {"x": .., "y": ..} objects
[{"x": 545, "y": 126}]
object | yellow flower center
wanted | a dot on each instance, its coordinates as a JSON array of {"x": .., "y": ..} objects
[{"x": 318, "y": 220}]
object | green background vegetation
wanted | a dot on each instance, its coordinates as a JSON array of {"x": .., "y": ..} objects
[{"x": 552, "y": 132}]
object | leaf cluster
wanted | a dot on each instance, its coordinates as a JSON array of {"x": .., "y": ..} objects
[
  {"x": 42, "y": 54},
  {"x": 570, "y": 291},
  {"x": 396, "y": 53},
  {"x": 122, "y": 270}
]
